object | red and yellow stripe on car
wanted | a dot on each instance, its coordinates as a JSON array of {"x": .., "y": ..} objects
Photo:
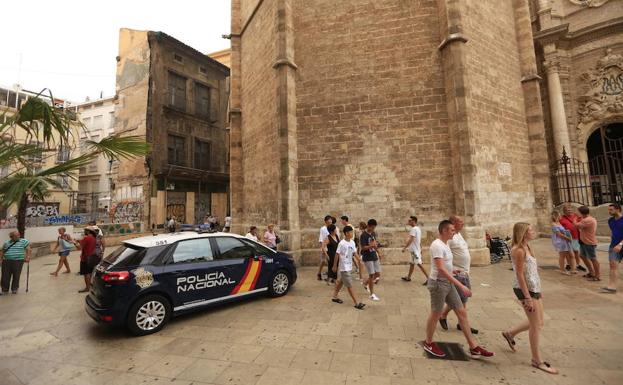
[{"x": 250, "y": 277}]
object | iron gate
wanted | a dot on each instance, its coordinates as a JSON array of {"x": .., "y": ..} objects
[
  {"x": 606, "y": 170},
  {"x": 570, "y": 182}
]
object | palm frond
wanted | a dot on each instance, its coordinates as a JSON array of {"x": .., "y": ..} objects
[
  {"x": 13, "y": 188},
  {"x": 117, "y": 147}
]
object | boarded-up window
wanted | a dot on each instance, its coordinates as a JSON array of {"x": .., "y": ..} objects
[
  {"x": 177, "y": 91},
  {"x": 176, "y": 147},
  {"x": 202, "y": 101},
  {"x": 202, "y": 155}
]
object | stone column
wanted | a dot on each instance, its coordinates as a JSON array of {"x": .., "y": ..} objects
[
  {"x": 235, "y": 126},
  {"x": 557, "y": 106},
  {"x": 457, "y": 84}
]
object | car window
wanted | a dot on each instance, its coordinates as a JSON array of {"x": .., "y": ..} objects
[
  {"x": 125, "y": 255},
  {"x": 194, "y": 250},
  {"x": 232, "y": 248},
  {"x": 257, "y": 248}
]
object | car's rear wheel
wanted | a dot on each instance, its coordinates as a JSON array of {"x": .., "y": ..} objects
[
  {"x": 279, "y": 283},
  {"x": 149, "y": 315}
]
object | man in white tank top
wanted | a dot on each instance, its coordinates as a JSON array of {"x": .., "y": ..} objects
[{"x": 461, "y": 261}]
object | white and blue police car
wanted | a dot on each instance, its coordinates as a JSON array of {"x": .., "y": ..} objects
[{"x": 149, "y": 279}]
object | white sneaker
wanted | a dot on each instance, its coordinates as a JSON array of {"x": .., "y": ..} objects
[{"x": 374, "y": 297}]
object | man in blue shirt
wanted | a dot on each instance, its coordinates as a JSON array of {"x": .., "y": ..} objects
[
  {"x": 14, "y": 253},
  {"x": 616, "y": 244}
]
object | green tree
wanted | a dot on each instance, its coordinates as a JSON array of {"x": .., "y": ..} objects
[{"x": 39, "y": 119}]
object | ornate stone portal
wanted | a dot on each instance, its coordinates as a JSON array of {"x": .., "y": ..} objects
[
  {"x": 602, "y": 100},
  {"x": 589, "y": 3}
]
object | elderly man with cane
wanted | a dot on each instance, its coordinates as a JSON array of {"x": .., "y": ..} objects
[{"x": 14, "y": 253}]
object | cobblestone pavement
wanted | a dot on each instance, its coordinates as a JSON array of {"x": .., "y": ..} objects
[{"x": 303, "y": 338}]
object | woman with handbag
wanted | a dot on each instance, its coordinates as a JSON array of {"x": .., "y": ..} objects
[
  {"x": 87, "y": 246},
  {"x": 63, "y": 246}
]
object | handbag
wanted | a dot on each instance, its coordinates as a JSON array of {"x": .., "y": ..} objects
[{"x": 277, "y": 239}]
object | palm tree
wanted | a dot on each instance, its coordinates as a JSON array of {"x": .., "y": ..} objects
[{"x": 40, "y": 119}]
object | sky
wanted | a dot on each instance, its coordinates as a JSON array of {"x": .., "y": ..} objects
[{"x": 69, "y": 46}]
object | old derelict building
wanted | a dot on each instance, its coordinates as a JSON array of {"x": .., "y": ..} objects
[{"x": 175, "y": 97}]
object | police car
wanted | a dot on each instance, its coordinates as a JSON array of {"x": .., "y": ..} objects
[{"x": 148, "y": 279}]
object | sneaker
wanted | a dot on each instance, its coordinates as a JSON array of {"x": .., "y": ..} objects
[
  {"x": 474, "y": 331},
  {"x": 608, "y": 290},
  {"x": 568, "y": 267},
  {"x": 360, "y": 306},
  {"x": 444, "y": 323},
  {"x": 433, "y": 349},
  {"x": 374, "y": 297},
  {"x": 479, "y": 351},
  {"x": 581, "y": 268}
]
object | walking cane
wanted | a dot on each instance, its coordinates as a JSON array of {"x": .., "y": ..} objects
[{"x": 27, "y": 275}]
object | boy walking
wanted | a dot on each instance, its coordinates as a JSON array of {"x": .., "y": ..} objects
[
  {"x": 443, "y": 286},
  {"x": 343, "y": 264},
  {"x": 415, "y": 249},
  {"x": 369, "y": 250}
]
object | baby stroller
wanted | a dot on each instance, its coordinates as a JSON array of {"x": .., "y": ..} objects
[{"x": 498, "y": 248}]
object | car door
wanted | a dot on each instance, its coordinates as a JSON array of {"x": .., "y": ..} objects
[
  {"x": 191, "y": 272},
  {"x": 267, "y": 258},
  {"x": 244, "y": 267}
]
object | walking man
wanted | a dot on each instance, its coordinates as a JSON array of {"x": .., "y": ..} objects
[
  {"x": 461, "y": 261},
  {"x": 588, "y": 243},
  {"x": 342, "y": 264},
  {"x": 443, "y": 287},
  {"x": 616, "y": 244},
  {"x": 415, "y": 249},
  {"x": 369, "y": 249},
  {"x": 15, "y": 252},
  {"x": 324, "y": 233},
  {"x": 344, "y": 220},
  {"x": 567, "y": 220}
]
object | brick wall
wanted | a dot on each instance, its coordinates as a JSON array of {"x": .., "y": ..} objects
[
  {"x": 501, "y": 141},
  {"x": 259, "y": 117},
  {"x": 372, "y": 122}
]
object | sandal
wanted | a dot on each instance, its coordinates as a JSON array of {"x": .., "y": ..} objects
[
  {"x": 589, "y": 275},
  {"x": 406, "y": 279},
  {"x": 360, "y": 306},
  {"x": 510, "y": 340},
  {"x": 544, "y": 366},
  {"x": 337, "y": 300},
  {"x": 594, "y": 279}
]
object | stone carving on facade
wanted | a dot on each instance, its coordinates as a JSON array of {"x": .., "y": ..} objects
[
  {"x": 589, "y": 3},
  {"x": 603, "y": 90}
]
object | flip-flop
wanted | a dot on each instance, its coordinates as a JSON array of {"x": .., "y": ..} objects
[
  {"x": 406, "y": 279},
  {"x": 510, "y": 340},
  {"x": 545, "y": 366},
  {"x": 589, "y": 275},
  {"x": 337, "y": 300}
]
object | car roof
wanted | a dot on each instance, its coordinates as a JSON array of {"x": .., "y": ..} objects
[{"x": 168, "y": 238}]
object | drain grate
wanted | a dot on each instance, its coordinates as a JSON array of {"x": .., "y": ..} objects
[{"x": 453, "y": 350}]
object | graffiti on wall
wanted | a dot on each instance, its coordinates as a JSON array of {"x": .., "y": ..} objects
[
  {"x": 42, "y": 209},
  {"x": 127, "y": 212},
  {"x": 121, "y": 228},
  {"x": 65, "y": 220}
]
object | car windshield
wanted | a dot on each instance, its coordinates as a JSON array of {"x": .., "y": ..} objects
[{"x": 124, "y": 253}]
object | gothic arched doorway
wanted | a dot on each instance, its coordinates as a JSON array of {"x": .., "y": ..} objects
[{"x": 604, "y": 148}]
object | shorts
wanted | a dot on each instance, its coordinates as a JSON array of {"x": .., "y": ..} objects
[
  {"x": 345, "y": 278},
  {"x": 464, "y": 279},
  {"x": 614, "y": 257},
  {"x": 372, "y": 267},
  {"x": 575, "y": 245},
  {"x": 63, "y": 253},
  {"x": 84, "y": 268},
  {"x": 443, "y": 292},
  {"x": 562, "y": 245},
  {"x": 416, "y": 259},
  {"x": 521, "y": 297},
  {"x": 588, "y": 251}
]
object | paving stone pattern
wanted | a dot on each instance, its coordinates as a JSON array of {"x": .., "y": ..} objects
[{"x": 303, "y": 338}]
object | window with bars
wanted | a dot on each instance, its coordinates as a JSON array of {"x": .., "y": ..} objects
[
  {"x": 176, "y": 149},
  {"x": 63, "y": 154},
  {"x": 202, "y": 101},
  {"x": 202, "y": 155},
  {"x": 63, "y": 180},
  {"x": 177, "y": 91},
  {"x": 37, "y": 157}
]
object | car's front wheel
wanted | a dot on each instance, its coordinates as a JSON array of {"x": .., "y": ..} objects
[
  {"x": 149, "y": 315},
  {"x": 279, "y": 283}
]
